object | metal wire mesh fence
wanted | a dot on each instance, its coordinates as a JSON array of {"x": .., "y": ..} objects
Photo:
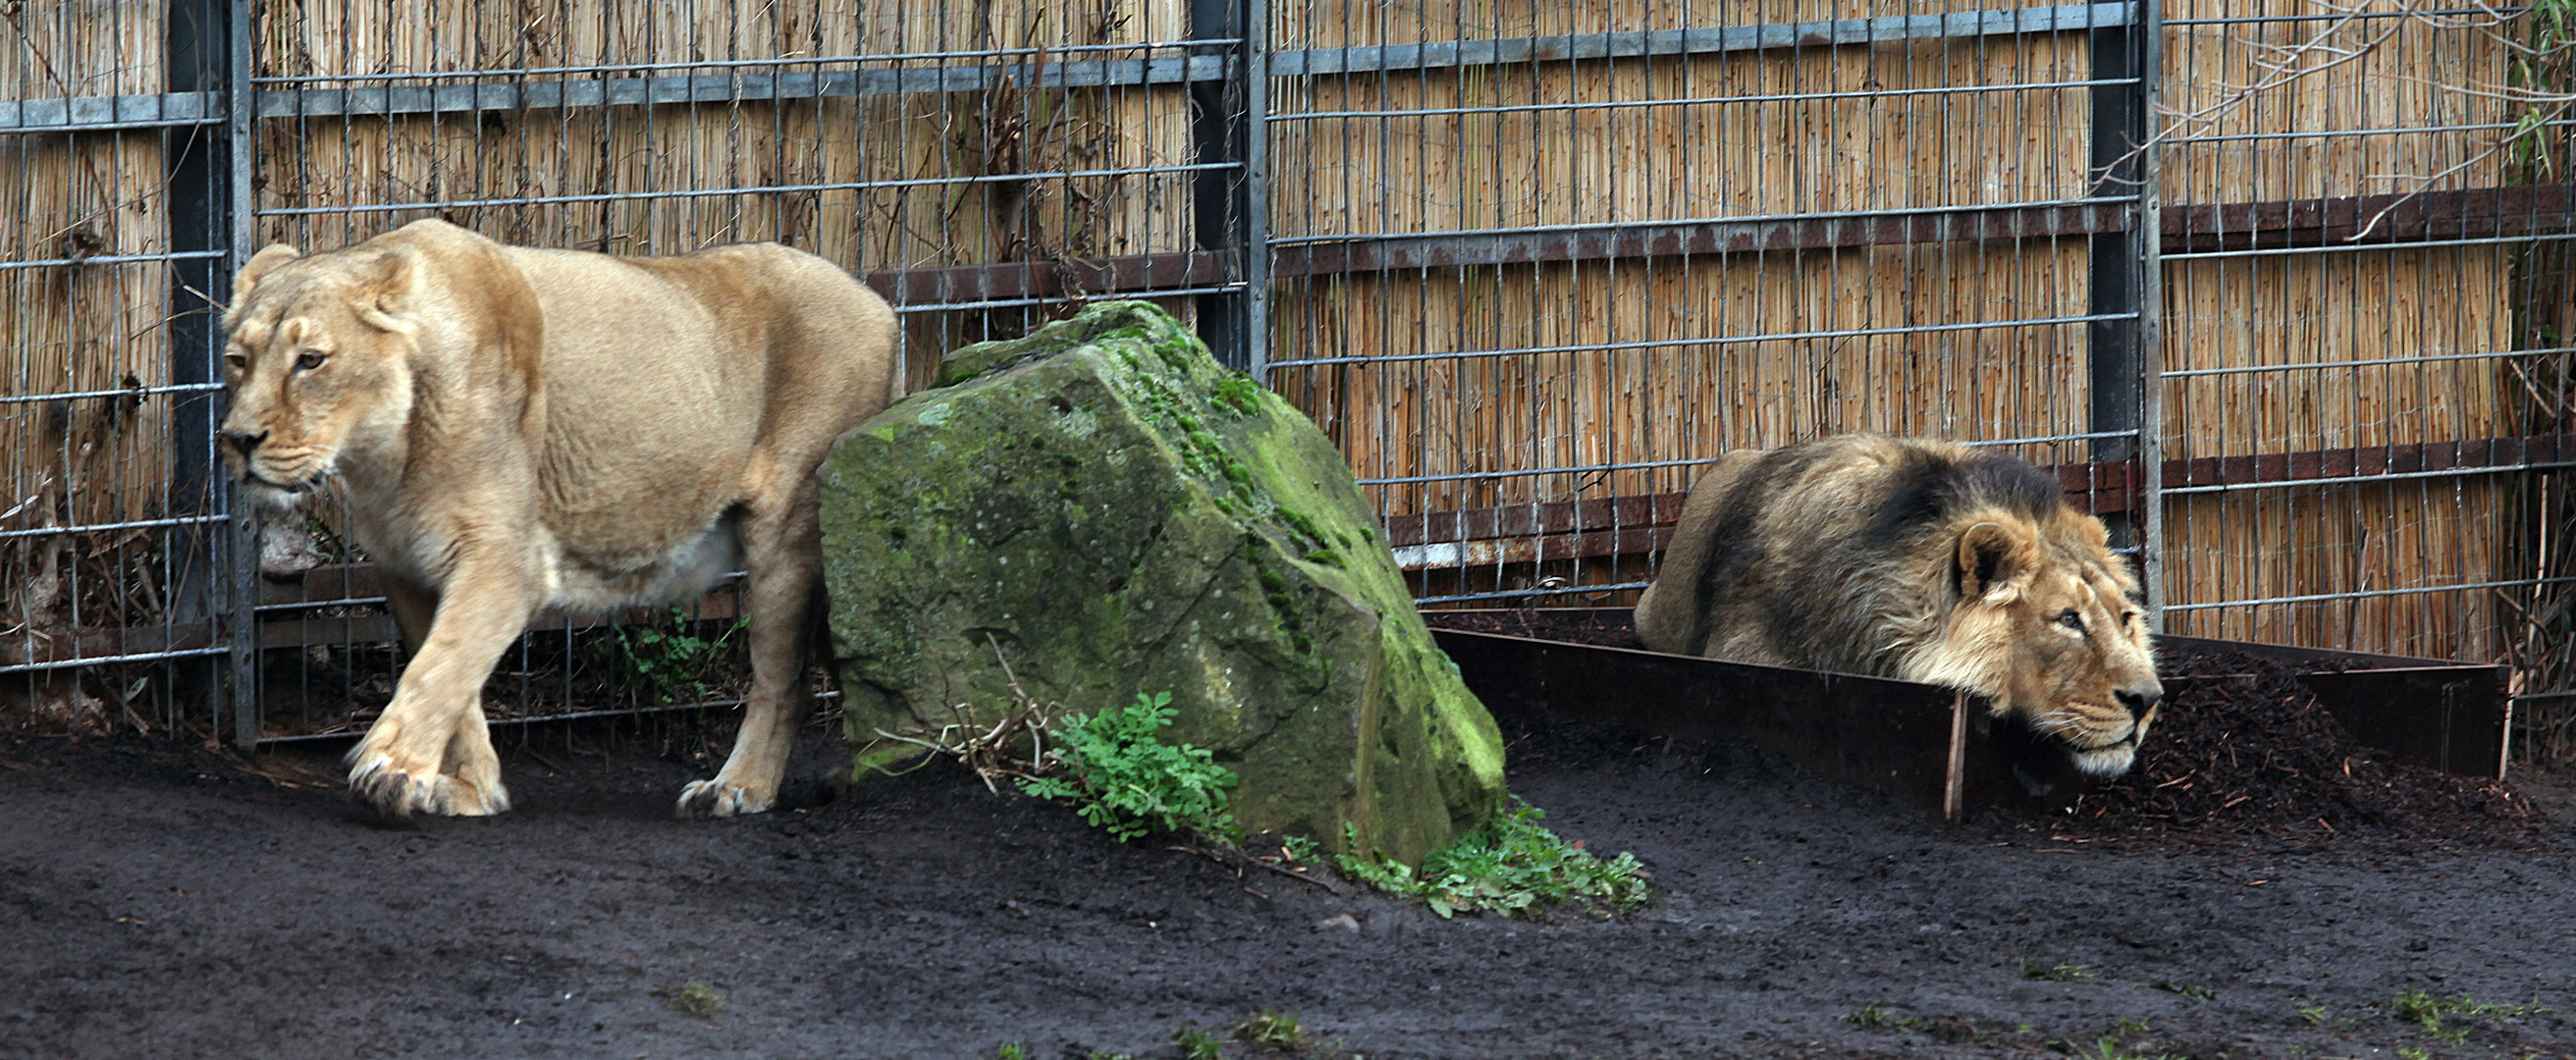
[{"x": 1529, "y": 265}]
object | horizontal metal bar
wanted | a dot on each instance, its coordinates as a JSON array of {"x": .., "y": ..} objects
[
  {"x": 1694, "y": 101},
  {"x": 529, "y": 73},
  {"x": 760, "y": 189},
  {"x": 121, "y": 392},
  {"x": 139, "y": 524},
  {"x": 2352, "y": 16},
  {"x": 2044, "y": 206},
  {"x": 978, "y": 285},
  {"x": 1711, "y": 40},
  {"x": 2373, "y": 245},
  {"x": 1582, "y": 470},
  {"x": 109, "y": 113},
  {"x": 110, "y": 259},
  {"x": 1373, "y": 252},
  {"x": 2346, "y": 480},
  {"x": 2373, "y": 362},
  {"x": 2363, "y": 594},
  {"x": 1013, "y": 303},
  {"x": 1718, "y": 340},
  {"x": 1512, "y": 594},
  {"x": 113, "y": 660},
  {"x": 578, "y": 715},
  {"x": 733, "y": 88}
]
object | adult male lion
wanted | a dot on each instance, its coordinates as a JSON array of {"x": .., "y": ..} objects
[
  {"x": 1919, "y": 560},
  {"x": 515, "y": 428}
]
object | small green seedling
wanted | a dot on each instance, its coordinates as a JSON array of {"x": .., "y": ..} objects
[
  {"x": 1196, "y": 1044},
  {"x": 1874, "y": 1016},
  {"x": 1011, "y": 1051},
  {"x": 1271, "y": 1030},
  {"x": 2057, "y": 973},
  {"x": 697, "y": 999}
]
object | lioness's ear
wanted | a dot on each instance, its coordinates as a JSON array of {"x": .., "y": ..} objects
[
  {"x": 261, "y": 264},
  {"x": 386, "y": 283},
  {"x": 1989, "y": 555}
]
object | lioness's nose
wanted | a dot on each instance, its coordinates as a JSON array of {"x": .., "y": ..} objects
[
  {"x": 2140, "y": 701},
  {"x": 245, "y": 440}
]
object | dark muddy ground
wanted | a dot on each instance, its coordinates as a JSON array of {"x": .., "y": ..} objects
[{"x": 157, "y": 902}]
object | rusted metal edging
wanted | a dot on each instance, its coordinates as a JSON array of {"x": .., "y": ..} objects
[{"x": 1932, "y": 746}]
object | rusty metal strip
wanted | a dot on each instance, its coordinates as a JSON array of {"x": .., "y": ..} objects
[
  {"x": 2471, "y": 213},
  {"x": 1042, "y": 279}
]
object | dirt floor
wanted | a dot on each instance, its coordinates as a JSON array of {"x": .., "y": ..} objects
[{"x": 162, "y": 902}]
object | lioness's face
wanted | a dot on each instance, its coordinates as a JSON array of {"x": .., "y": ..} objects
[{"x": 315, "y": 368}]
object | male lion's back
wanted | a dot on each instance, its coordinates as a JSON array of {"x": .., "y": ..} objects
[{"x": 1785, "y": 556}]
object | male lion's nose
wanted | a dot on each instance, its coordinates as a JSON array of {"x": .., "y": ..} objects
[
  {"x": 245, "y": 440},
  {"x": 2139, "y": 701}
]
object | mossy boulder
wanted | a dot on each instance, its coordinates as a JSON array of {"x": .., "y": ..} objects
[{"x": 1109, "y": 511}]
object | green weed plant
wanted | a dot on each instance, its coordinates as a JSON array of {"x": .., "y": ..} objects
[
  {"x": 1511, "y": 866},
  {"x": 1121, "y": 776}
]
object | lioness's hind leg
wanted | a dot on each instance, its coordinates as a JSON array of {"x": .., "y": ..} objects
[{"x": 782, "y": 547}]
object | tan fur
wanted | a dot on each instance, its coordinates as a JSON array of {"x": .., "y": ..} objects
[
  {"x": 1920, "y": 560},
  {"x": 516, "y": 428}
]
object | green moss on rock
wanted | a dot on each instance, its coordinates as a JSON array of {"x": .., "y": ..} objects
[{"x": 1106, "y": 506}]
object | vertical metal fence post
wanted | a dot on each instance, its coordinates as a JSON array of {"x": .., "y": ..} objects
[
  {"x": 2147, "y": 489},
  {"x": 1256, "y": 183},
  {"x": 197, "y": 54},
  {"x": 2119, "y": 121},
  {"x": 241, "y": 126},
  {"x": 1217, "y": 209}
]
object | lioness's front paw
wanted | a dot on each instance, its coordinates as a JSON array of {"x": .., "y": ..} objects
[
  {"x": 715, "y": 798},
  {"x": 396, "y": 792}
]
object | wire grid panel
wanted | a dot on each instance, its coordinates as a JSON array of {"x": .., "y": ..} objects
[
  {"x": 1535, "y": 265},
  {"x": 108, "y": 521},
  {"x": 2354, "y": 254},
  {"x": 985, "y": 166}
]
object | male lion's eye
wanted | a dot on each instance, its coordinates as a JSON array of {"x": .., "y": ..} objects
[
  {"x": 2071, "y": 620},
  {"x": 308, "y": 360}
]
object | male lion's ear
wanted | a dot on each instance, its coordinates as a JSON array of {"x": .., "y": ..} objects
[
  {"x": 1989, "y": 555},
  {"x": 261, "y": 264}
]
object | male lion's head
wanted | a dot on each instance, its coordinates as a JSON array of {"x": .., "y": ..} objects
[
  {"x": 316, "y": 365},
  {"x": 2046, "y": 625}
]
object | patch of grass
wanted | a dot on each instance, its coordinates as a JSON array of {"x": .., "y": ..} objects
[
  {"x": 2199, "y": 993},
  {"x": 1196, "y": 1044},
  {"x": 2409, "y": 1052},
  {"x": 1271, "y": 1030},
  {"x": 2316, "y": 1014},
  {"x": 2434, "y": 1014},
  {"x": 1876, "y": 1016},
  {"x": 1122, "y": 777},
  {"x": 695, "y": 998},
  {"x": 2129, "y": 1026},
  {"x": 1302, "y": 849},
  {"x": 2108, "y": 1047},
  {"x": 1511, "y": 865},
  {"x": 2058, "y": 973},
  {"x": 1011, "y": 1051}
]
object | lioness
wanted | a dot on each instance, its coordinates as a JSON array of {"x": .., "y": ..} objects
[
  {"x": 1919, "y": 560},
  {"x": 516, "y": 428}
]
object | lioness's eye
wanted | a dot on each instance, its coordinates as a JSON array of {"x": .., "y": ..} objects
[
  {"x": 2071, "y": 620},
  {"x": 308, "y": 360},
  {"x": 237, "y": 361}
]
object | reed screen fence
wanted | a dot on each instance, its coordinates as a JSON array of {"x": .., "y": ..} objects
[{"x": 2278, "y": 288}]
